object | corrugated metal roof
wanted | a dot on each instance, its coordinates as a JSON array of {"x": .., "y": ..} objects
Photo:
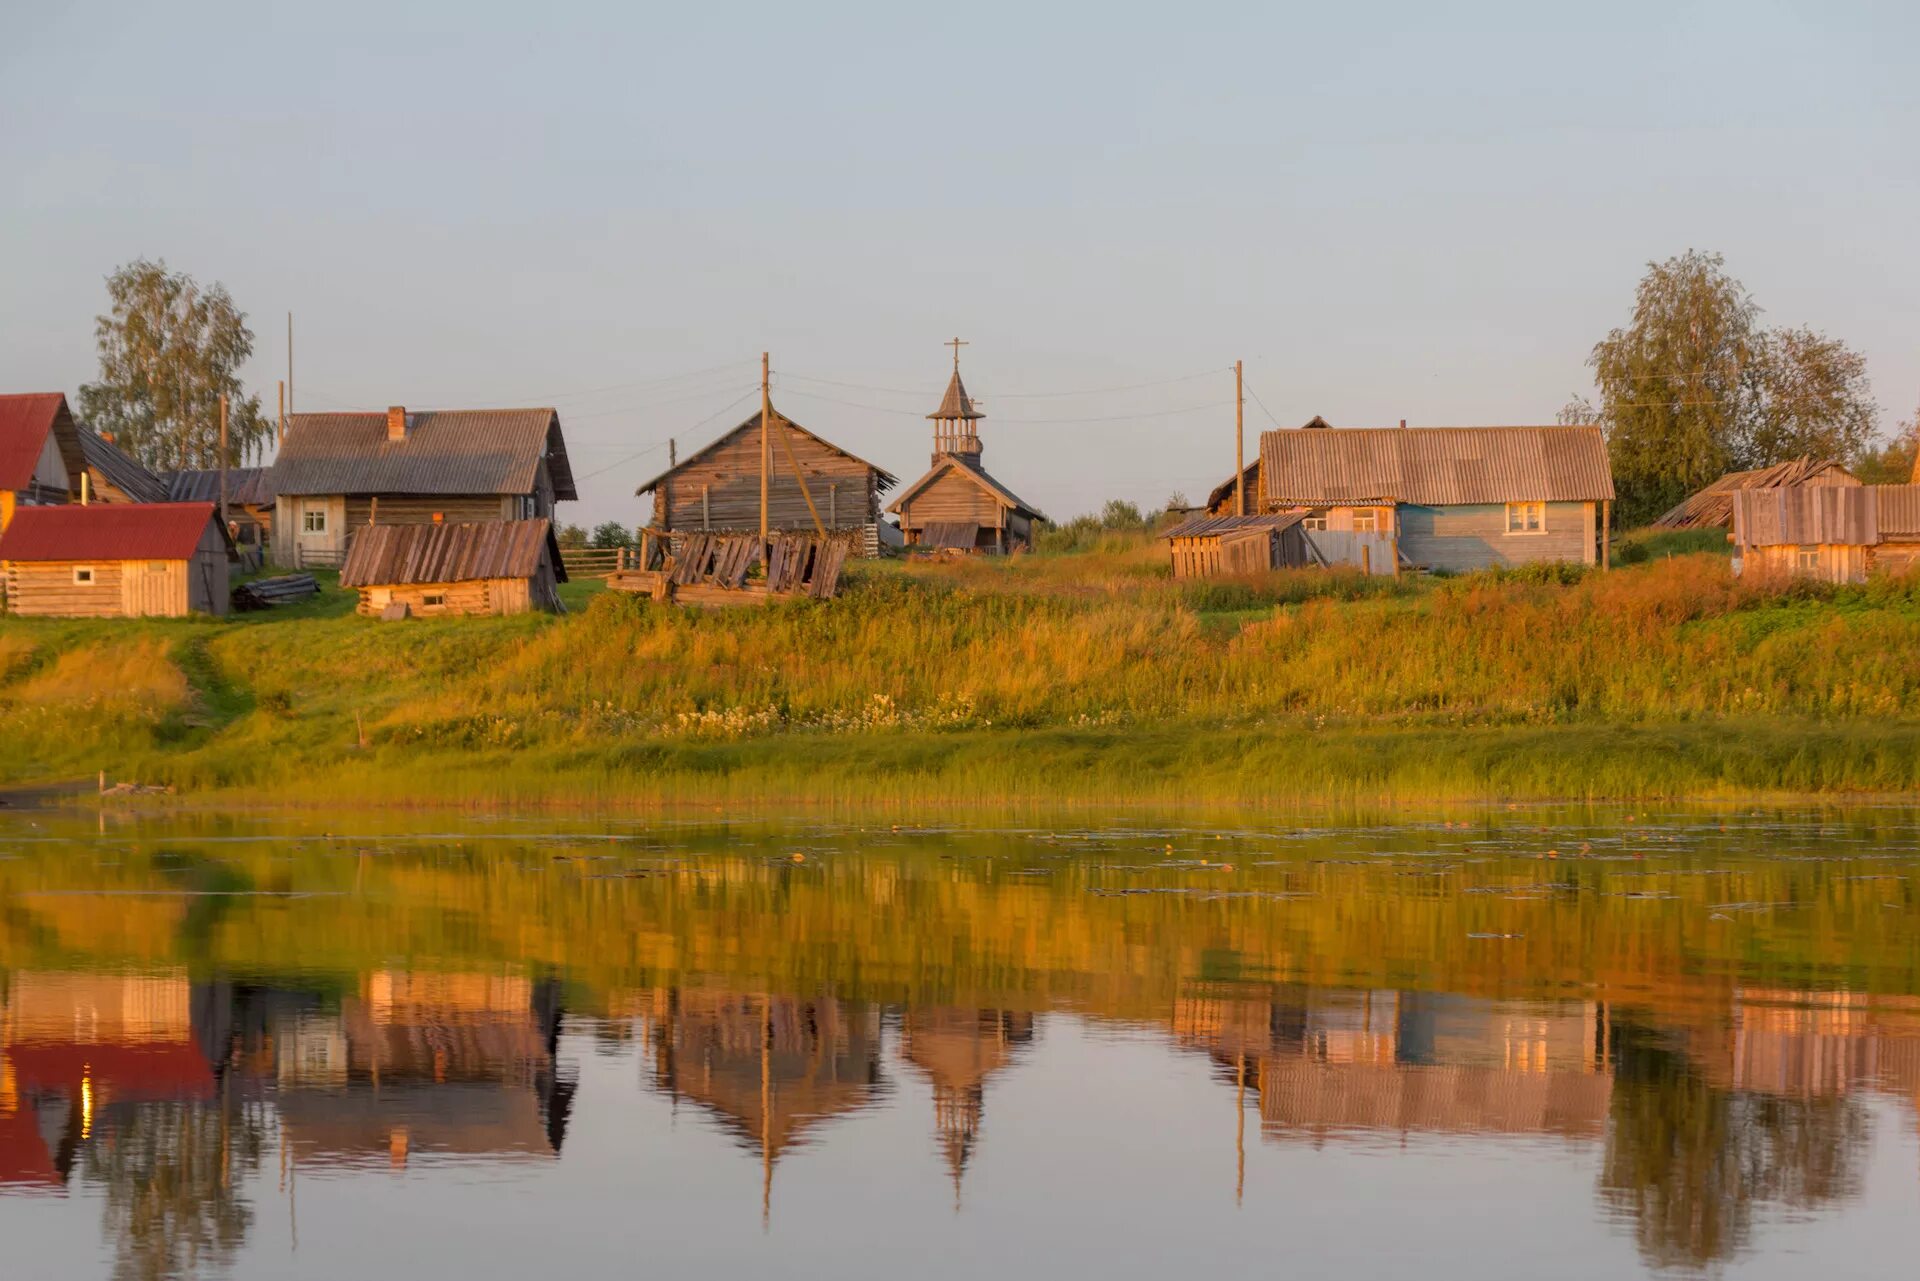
[
  {"x": 447, "y": 451},
  {"x": 25, "y": 421},
  {"x": 1897, "y": 512},
  {"x": 1210, "y": 526},
  {"x": 391, "y": 555},
  {"x": 106, "y": 531},
  {"x": 1713, "y": 505},
  {"x": 1436, "y": 466},
  {"x": 883, "y": 480},
  {"x": 246, "y": 486},
  {"x": 978, "y": 474},
  {"x": 1806, "y": 516},
  {"x": 122, "y": 472}
]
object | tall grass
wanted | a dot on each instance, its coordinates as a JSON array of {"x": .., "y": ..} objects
[{"x": 1096, "y": 671}]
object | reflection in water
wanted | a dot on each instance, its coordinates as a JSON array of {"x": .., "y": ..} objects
[{"x": 161, "y": 1053}]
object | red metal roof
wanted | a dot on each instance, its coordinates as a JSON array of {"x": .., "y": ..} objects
[
  {"x": 106, "y": 531},
  {"x": 25, "y": 421}
]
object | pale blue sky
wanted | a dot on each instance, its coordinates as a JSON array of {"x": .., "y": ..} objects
[{"x": 1389, "y": 210}]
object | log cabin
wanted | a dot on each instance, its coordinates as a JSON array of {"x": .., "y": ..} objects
[
  {"x": 117, "y": 560},
  {"x": 41, "y": 460},
  {"x": 717, "y": 488},
  {"x": 1826, "y": 532},
  {"x": 1443, "y": 498},
  {"x": 485, "y": 567},
  {"x": 340, "y": 473},
  {"x": 957, "y": 506}
]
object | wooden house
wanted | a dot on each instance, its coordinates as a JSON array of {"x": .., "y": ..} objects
[
  {"x": 1445, "y": 498},
  {"x": 485, "y": 567},
  {"x": 40, "y": 454},
  {"x": 1220, "y": 502},
  {"x": 340, "y": 473},
  {"x": 250, "y": 499},
  {"x": 112, "y": 476},
  {"x": 117, "y": 560},
  {"x": 716, "y": 490},
  {"x": 958, "y": 506},
  {"x": 1209, "y": 546},
  {"x": 1713, "y": 506},
  {"x": 1831, "y": 533}
]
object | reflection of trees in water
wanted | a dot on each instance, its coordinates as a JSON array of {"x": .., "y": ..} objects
[
  {"x": 169, "y": 1173},
  {"x": 1688, "y": 1161}
]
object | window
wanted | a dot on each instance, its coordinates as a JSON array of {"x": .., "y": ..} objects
[
  {"x": 83, "y": 575},
  {"x": 156, "y": 567},
  {"x": 314, "y": 521},
  {"x": 1365, "y": 520},
  {"x": 1316, "y": 519},
  {"x": 1807, "y": 560},
  {"x": 434, "y": 598},
  {"x": 1526, "y": 518}
]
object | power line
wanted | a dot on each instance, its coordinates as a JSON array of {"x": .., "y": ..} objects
[
  {"x": 658, "y": 444},
  {"x": 1105, "y": 418},
  {"x": 1263, "y": 404},
  {"x": 1008, "y": 395}
]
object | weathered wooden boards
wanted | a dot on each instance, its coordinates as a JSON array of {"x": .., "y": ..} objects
[
  {"x": 712, "y": 569},
  {"x": 282, "y": 589}
]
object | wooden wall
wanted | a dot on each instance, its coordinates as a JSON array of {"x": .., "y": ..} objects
[
  {"x": 721, "y": 491},
  {"x": 476, "y": 596},
  {"x": 1476, "y": 537},
  {"x": 1837, "y": 563},
  {"x": 120, "y": 589},
  {"x": 1894, "y": 558},
  {"x": 953, "y": 497},
  {"x": 208, "y": 574},
  {"x": 293, "y": 548},
  {"x": 1252, "y": 551}
]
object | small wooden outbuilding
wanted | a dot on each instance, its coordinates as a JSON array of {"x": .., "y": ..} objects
[
  {"x": 482, "y": 567},
  {"x": 1208, "y": 546},
  {"x": 117, "y": 560},
  {"x": 1713, "y": 506},
  {"x": 1831, "y": 533}
]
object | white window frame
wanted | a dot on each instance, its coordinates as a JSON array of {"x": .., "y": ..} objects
[
  {"x": 1806, "y": 560},
  {"x": 1521, "y": 511},
  {"x": 1366, "y": 520},
  {"x": 1315, "y": 520},
  {"x": 83, "y": 576},
  {"x": 308, "y": 529}
]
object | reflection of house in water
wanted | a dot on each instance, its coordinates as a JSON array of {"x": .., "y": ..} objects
[
  {"x": 73, "y": 1047},
  {"x": 958, "y": 1050},
  {"x": 1399, "y": 1062},
  {"x": 767, "y": 1068},
  {"x": 454, "y": 1064},
  {"x": 1807, "y": 1044}
]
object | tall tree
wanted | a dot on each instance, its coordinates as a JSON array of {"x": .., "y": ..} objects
[
  {"x": 1692, "y": 388},
  {"x": 1670, "y": 382},
  {"x": 168, "y": 351},
  {"x": 1896, "y": 461}
]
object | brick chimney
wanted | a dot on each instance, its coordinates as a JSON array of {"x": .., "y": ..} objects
[{"x": 396, "y": 422}]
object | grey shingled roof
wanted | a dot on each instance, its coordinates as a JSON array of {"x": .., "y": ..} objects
[
  {"x": 447, "y": 451},
  {"x": 956, "y": 403},
  {"x": 883, "y": 479},
  {"x": 1212, "y": 526},
  {"x": 1435, "y": 466},
  {"x": 121, "y": 471},
  {"x": 246, "y": 486}
]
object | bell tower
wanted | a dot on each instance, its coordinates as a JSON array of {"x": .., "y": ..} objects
[{"x": 954, "y": 433}]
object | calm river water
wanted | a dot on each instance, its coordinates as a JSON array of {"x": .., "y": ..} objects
[{"x": 1519, "y": 1043}]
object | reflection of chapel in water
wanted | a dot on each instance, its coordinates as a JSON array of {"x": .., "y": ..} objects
[{"x": 957, "y": 1050}]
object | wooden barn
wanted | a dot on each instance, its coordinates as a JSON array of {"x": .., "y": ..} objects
[
  {"x": 1831, "y": 533},
  {"x": 716, "y": 490},
  {"x": 480, "y": 567},
  {"x": 337, "y": 474},
  {"x": 41, "y": 460},
  {"x": 958, "y": 506},
  {"x": 117, "y": 560},
  {"x": 250, "y": 499},
  {"x": 1712, "y": 507},
  {"x": 1209, "y": 546},
  {"x": 1446, "y": 498}
]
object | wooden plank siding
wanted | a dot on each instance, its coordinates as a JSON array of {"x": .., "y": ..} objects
[
  {"x": 429, "y": 600},
  {"x": 1833, "y": 563},
  {"x": 294, "y": 548},
  {"x": 720, "y": 491},
  {"x": 1473, "y": 537},
  {"x": 123, "y": 588}
]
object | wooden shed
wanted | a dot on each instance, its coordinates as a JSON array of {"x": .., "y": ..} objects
[
  {"x": 958, "y": 506},
  {"x": 480, "y": 567},
  {"x": 716, "y": 490},
  {"x": 1831, "y": 533},
  {"x": 117, "y": 560},
  {"x": 1713, "y": 506},
  {"x": 1209, "y": 546},
  {"x": 250, "y": 499}
]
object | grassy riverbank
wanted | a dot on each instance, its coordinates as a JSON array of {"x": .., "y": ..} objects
[{"x": 1083, "y": 677}]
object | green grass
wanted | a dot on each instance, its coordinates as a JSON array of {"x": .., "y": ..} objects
[{"x": 1089, "y": 676}]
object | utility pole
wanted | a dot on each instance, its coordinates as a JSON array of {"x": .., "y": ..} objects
[
  {"x": 283, "y": 413},
  {"x": 766, "y": 442},
  {"x": 1239, "y": 442},
  {"x": 289, "y": 362},
  {"x": 223, "y": 460}
]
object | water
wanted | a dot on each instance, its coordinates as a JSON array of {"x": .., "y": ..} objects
[{"x": 1529, "y": 1043}]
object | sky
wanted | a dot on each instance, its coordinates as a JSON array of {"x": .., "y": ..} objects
[{"x": 1387, "y": 210}]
